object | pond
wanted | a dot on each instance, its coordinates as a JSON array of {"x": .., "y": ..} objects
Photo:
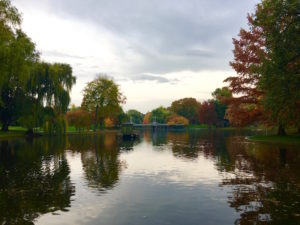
[{"x": 189, "y": 177}]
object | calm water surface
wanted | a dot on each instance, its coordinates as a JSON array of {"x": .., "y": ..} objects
[{"x": 196, "y": 177}]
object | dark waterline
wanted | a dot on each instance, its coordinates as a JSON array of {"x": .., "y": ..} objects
[{"x": 195, "y": 177}]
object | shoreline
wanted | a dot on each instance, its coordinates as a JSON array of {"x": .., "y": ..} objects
[{"x": 292, "y": 139}]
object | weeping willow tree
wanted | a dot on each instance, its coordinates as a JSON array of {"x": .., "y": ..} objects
[
  {"x": 48, "y": 90},
  {"x": 32, "y": 93}
]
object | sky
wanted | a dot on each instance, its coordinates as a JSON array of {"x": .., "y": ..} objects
[{"x": 157, "y": 51}]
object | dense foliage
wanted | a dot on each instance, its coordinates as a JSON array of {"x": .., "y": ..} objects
[
  {"x": 79, "y": 118},
  {"x": 103, "y": 98},
  {"x": 159, "y": 115},
  {"x": 207, "y": 114},
  {"x": 267, "y": 61},
  {"x": 186, "y": 107},
  {"x": 32, "y": 93},
  {"x": 280, "y": 69},
  {"x": 135, "y": 116},
  {"x": 175, "y": 119}
]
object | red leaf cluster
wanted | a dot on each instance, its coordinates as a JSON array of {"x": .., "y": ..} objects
[
  {"x": 79, "y": 118},
  {"x": 249, "y": 52},
  {"x": 207, "y": 114}
]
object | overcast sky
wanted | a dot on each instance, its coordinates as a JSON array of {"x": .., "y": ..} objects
[{"x": 156, "y": 50}]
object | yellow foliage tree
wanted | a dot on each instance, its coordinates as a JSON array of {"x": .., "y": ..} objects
[{"x": 175, "y": 119}]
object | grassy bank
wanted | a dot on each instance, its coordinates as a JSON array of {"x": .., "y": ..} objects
[
  {"x": 15, "y": 131},
  {"x": 289, "y": 139},
  {"x": 11, "y": 134}
]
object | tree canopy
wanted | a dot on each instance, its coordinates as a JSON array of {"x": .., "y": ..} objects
[
  {"x": 102, "y": 97},
  {"x": 159, "y": 115},
  {"x": 220, "y": 95},
  {"x": 207, "y": 114},
  {"x": 267, "y": 61},
  {"x": 31, "y": 92},
  {"x": 186, "y": 107},
  {"x": 135, "y": 116},
  {"x": 280, "y": 70}
]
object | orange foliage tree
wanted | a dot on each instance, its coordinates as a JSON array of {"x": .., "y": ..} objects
[
  {"x": 79, "y": 118},
  {"x": 109, "y": 122},
  {"x": 245, "y": 107},
  {"x": 207, "y": 114},
  {"x": 176, "y": 119},
  {"x": 147, "y": 118}
]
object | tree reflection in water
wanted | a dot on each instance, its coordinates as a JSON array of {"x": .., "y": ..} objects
[
  {"x": 265, "y": 183},
  {"x": 100, "y": 158},
  {"x": 34, "y": 179},
  {"x": 264, "y": 180}
]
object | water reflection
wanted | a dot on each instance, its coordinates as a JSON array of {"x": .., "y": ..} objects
[
  {"x": 164, "y": 178},
  {"x": 266, "y": 185},
  {"x": 100, "y": 158},
  {"x": 264, "y": 179},
  {"x": 34, "y": 180}
]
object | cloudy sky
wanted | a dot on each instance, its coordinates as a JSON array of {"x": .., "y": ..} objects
[{"x": 156, "y": 50}]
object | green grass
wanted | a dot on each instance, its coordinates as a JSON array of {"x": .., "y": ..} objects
[
  {"x": 289, "y": 139},
  {"x": 15, "y": 128},
  {"x": 13, "y": 131},
  {"x": 10, "y": 134}
]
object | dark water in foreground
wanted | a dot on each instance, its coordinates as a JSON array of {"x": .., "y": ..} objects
[{"x": 198, "y": 177}]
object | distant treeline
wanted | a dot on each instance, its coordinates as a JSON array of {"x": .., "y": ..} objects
[{"x": 183, "y": 111}]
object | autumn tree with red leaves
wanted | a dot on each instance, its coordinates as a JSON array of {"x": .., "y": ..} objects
[
  {"x": 245, "y": 107},
  {"x": 79, "y": 118},
  {"x": 207, "y": 114},
  {"x": 147, "y": 118},
  {"x": 267, "y": 61}
]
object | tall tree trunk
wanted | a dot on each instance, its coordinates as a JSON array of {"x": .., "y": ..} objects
[
  {"x": 281, "y": 130},
  {"x": 95, "y": 121},
  {"x": 4, "y": 127}
]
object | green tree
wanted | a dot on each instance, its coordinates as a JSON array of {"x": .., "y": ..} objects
[
  {"x": 159, "y": 115},
  {"x": 17, "y": 55},
  {"x": 121, "y": 117},
  {"x": 102, "y": 97},
  {"x": 135, "y": 116},
  {"x": 267, "y": 61},
  {"x": 10, "y": 21},
  {"x": 48, "y": 84},
  {"x": 219, "y": 97},
  {"x": 186, "y": 107},
  {"x": 280, "y": 70},
  {"x": 30, "y": 90}
]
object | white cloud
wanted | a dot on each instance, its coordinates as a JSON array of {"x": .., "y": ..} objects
[{"x": 172, "y": 49}]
